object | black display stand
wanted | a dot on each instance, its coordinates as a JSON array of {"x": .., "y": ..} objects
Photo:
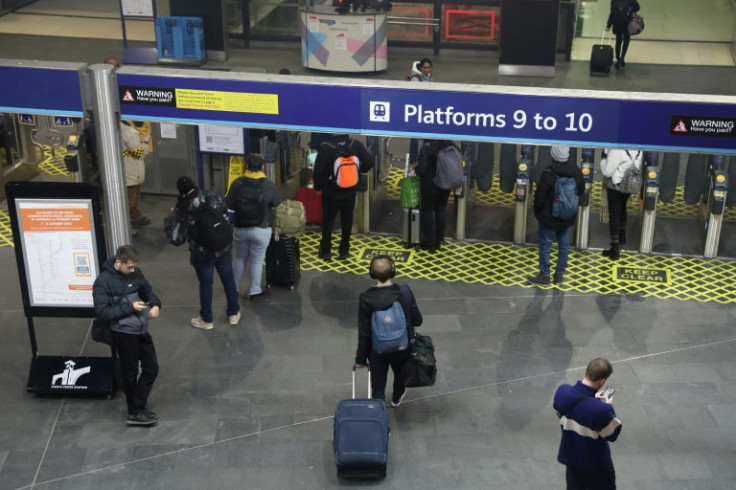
[
  {"x": 60, "y": 225},
  {"x": 528, "y": 42}
]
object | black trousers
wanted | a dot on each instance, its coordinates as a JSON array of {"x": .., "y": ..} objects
[
  {"x": 379, "y": 373},
  {"x": 330, "y": 208},
  {"x": 578, "y": 478},
  {"x": 622, "y": 43},
  {"x": 616, "y": 212},
  {"x": 136, "y": 351},
  {"x": 433, "y": 211}
]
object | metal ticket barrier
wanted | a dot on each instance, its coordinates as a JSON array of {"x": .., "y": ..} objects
[
  {"x": 651, "y": 198},
  {"x": 582, "y": 222},
  {"x": 461, "y": 194},
  {"x": 716, "y": 204},
  {"x": 523, "y": 190},
  {"x": 75, "y": 160}
]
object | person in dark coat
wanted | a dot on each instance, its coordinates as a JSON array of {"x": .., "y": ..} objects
[
  {"x": 181, "y": 226},
  {"x": 124, "y": 301},
  {"x": 622, "y": 11},
  {"x": 377, "y": 298},
  {"x": 334, "y": 198},
  {"x": 433, "y": 200},
  {"x": 551, "y": 228}
]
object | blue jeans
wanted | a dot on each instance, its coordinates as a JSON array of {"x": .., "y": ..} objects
[
  {"x": 205, "y": 273},
  {"x": 548, "y": 234},
  {"x": 250, "y": 247}
]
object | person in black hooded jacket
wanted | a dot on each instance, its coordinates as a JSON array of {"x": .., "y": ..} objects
[
  {"x": 377, "y": 298},
  {"x": 551, "y": 228},
  {"x": 124, "y": 301},
  {"x": 334, "y": 198}
]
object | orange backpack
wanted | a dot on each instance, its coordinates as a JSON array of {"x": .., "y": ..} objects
[{"x": 346, "y": 171}]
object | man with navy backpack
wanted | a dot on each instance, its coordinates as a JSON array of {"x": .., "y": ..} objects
[
  {"x": 381, "y": 308},
  {"x": 555, "y": 207}
]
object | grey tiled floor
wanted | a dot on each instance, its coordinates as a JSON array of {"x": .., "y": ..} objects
[{"x": 251, "y": 406}]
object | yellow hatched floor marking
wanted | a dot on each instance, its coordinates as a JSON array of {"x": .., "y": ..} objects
[
  {"x": 497, "y": 264},
  {"x": 51, "y": 165},
  {"x": 6, "y": 232}
]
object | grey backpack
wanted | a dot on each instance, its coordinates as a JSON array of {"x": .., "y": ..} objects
[
  {"x": 449, "y": 174},
  {"x": 631, "y": 181}
]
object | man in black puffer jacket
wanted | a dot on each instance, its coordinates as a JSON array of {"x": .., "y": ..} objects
[
  {"x": 124, "y": 300},
  {"x": 551, "y": 227}
]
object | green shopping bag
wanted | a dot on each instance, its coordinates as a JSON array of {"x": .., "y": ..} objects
[{"x": 410, "y": 192}]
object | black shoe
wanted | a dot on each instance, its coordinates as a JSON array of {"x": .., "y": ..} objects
[
  {"x": 264, "y": 292},
  {"x": 343, "y": 256},
  {"x": 559, "y": 277},
  {"x": 623, "y": 64},
  {"x": 326, "y": 256},
  {"x": 150, "y": 414},
  {"x": 614, "y": 252},
  {"x": 396, "y": 401},
  {"x": 140, "y": 418},
  {"x": 617, "y": 64},
  {"x": 144, "y": 221},
  {"x": 541, "y": 279}
]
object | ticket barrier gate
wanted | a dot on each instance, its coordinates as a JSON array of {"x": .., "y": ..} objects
[
  {"x": 651, "y": 198},
  {"x": 522, "y": 194},
  {"x": 716, "y": 205},
  {"x": 582, "y": 221}
]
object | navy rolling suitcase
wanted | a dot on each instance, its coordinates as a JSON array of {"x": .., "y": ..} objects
[
  {"x": 601, "y": 58},
  {"x": 283, "y": 262},
  {"x": 361, "y": 436}
]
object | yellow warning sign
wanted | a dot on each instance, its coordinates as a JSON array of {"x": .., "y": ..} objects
[
  {"x": 209, "y": 100},
  {"x": 639, "y": 274}
]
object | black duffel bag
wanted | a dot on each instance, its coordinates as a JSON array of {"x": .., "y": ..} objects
[{"x": 421, "y": 368}]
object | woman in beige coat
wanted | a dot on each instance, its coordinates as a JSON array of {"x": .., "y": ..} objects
[{"x": 134, "y": 154}]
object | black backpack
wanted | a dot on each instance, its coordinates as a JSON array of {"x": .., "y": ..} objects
[
  {"x": 212, "y": 230},
  {"x": 250, "y": 207},
  {"x": 620, "y": 12}
]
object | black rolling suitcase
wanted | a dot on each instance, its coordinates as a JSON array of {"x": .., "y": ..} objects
[
  {"x": 601, "y": 59},
  {"x": 283, "y": 262},
  {"x": 361, "y": 436}
]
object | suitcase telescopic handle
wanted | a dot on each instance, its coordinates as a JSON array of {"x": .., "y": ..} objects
[{"x": 368, "y": 367}]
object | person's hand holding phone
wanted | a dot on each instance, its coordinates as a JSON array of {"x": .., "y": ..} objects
[
  {"x": 139, "y": 306},
  {"x": 606, "y": 395}
]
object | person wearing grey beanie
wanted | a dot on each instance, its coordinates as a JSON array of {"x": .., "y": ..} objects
[{"x": 555, "y": 207}]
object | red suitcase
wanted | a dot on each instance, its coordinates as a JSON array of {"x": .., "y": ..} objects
[{"x": 312, "y": 201}]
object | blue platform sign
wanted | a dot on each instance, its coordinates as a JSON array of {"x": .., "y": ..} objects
[{"x": 503, "y": 114}]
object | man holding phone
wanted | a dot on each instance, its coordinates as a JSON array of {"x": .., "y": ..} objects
[
  {"x": 125, "y": 302},
  {"x": 588, "y": 424}
]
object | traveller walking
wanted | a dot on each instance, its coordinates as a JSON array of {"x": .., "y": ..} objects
[{"x": 382, "y": 298}]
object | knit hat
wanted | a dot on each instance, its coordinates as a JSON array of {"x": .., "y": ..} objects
[
  {"x": 185, "y": 185},
  {"x": 560, "y": 153}
]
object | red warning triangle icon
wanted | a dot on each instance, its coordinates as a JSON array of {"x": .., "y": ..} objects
[
  {"x": 680, "y": 128},
  {"x": 128, "y": 97}
]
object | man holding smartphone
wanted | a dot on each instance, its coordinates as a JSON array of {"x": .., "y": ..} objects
[
  {"x": 125, "y": 302},
  {"x": 588, "y": 424}
]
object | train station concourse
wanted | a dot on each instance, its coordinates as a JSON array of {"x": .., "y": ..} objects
[{"x": 252, "y": 405}]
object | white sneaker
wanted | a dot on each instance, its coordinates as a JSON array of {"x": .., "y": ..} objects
[
  {"x": 234, "y": 319},
  {"x": 401, "y": 399},
  {"x": 199, "y": 323}
]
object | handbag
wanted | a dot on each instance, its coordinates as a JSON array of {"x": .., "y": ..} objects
[
  {"x": 101, "y": 332},
  {"x": 421, "y": 368},
  {"x": 410, "y": 192},
  {"x": 636, "y": 25}
]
